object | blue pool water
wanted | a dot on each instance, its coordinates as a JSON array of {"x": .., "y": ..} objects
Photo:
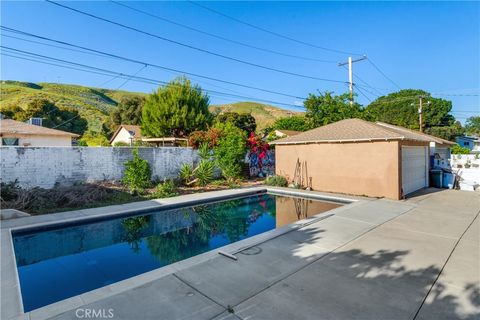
[{"x": 60, "y": 263}]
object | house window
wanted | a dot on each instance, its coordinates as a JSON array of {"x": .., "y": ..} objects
[
  {"x": 10, "y": 141},
  {"x": 466, "y": 143}
]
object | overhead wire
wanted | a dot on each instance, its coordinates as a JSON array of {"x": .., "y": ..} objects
[
  {"x": 245, "y": 62},
  {"x": 271, "y": 32},
  {"x": 111, "y": 55},
  {"x": 240, "y": 43},
  {"x": 133, "y": 77}
]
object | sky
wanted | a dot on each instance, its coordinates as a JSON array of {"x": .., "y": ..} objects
[{"x": 434, "y": 46}]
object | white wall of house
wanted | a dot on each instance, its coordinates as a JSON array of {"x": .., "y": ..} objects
[
  {"x": 123, "y": 136},
  {"x": 46, "y": 166},
  {"x": 41, "y": 140}
]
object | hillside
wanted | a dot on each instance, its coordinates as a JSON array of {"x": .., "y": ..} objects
[
  {"x": 264, "y": 114},
  {"x": 95, "y": 104}
]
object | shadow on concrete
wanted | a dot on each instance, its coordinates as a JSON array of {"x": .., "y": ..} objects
[
  {"x": 422, "y": 193},
  {"x": 353, "y": 284}
]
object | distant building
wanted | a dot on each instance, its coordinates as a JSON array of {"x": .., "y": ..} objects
[
  {"x": 472, "y": 143},
  {"x": 286, "y": 133},
  {"x": 127, "y": 134},
  {"x": 16, "y": 133}
]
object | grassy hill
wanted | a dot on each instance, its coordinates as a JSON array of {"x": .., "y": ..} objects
[
  {"x": 264, "y": 114},
  {"x": 95, "y": 104}
]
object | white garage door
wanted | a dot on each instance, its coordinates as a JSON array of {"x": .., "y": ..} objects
[{"x": 414, "y": 168}]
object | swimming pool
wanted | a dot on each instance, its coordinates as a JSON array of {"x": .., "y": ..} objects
[{"x": 64, "y": 261}]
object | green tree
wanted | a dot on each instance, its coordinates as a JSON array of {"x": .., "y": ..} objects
[
  {"x": 244, "y": 121},
  {"x": 448, "y": 132},
  {"x": 472, "y": 126},
  {"x": 176, "y": 110},
  {"x": 326, "y": 108},
  {"x": 65, "y": 119},
  {"x": 401, "y": 108},
  {"x": 128, "y": 111},
  {"x": 230, "y": 150},
  {"x": 296, "y": 123}
]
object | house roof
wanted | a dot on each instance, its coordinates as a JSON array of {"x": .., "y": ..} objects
[
  {"x": 136, "y": 130},
  {"x": 413, "y": 134},
  {"x": 356, "y": 130},
  {"x": 9, "y": 126},
  {"x": 288, "y": 132},
  {"x": 469, "y": 138}
]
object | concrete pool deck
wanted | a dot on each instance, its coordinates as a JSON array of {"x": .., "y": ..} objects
[{"x": 372, "y": 259}]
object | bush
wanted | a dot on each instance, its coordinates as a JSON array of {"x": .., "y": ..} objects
[
  {"x": 166, "y": 190},
  {"x": 137, "y": 174},
  {"x": 276, "y": 181},
  {"x": 186, "y": 174},
  {"x": 121, "y": 144},
  {"x": 456, "y": 149},
  {"x": 204, "y": 172},
  {"x": 230, "y": 150}
]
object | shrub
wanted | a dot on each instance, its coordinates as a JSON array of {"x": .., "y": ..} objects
[
  {"x": 277, "y": 181},
  {"x": 456, "y": 149},
  {"x": 204, "y": 151},
  {"x": 137, "y": 174},
  {"x": 230, "y": 150},
  {"x": 186, "y": 174},
  {"x": 166, "y": 189},
  {"x": 121, "y": 144},
  {"x": 204, "y": 172}
]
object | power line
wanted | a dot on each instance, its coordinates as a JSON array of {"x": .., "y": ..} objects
[
  {"x": 126, "y": 76},
  {"x": 111, "y": 55},
  {"x": 195, "y": 48},
  {"x": 218, "y": 36},
  {"x": 126, "y": 81},
  {"x": 383, "y": 74},
  {"x": 269, "y": 31},
  {"x": 363, "y": 94}
]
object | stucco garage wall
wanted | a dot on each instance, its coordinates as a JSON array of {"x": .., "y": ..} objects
[
  {"x": 46, "y": 166},
  {"x": 361, "y": 168}
]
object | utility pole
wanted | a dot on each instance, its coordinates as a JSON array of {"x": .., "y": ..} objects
[
  {"x": 420, "y": 112},
  {"x": 350, "y": 73}
]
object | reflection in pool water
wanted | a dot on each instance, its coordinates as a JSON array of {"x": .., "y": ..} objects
[{"x": 56, "y": 264}]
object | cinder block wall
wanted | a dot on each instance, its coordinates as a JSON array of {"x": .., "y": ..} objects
[{"x": 46, "y": 166}]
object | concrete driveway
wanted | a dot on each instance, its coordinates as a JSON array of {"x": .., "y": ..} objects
[{"x": 381, "y": 259}]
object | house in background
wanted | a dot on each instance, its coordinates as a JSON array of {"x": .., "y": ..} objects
[
  {"x": 357, "y": 157},
  {"x": 472, "y": 143},
  {"x": 16, "y": 133},
  {"x": 286, "y": 133},
  {"x": 126, "y": 134}
]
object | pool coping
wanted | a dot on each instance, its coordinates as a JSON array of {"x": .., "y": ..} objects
[{"x": 9, "y": 275}]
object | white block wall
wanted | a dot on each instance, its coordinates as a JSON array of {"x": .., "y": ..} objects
[{"x": 46, "y": 166}]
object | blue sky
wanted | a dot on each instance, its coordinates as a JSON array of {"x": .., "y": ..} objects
[{"x": 427, "y": 45}]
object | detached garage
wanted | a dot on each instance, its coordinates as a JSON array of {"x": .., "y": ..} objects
[{"x": 357, "y": 157}]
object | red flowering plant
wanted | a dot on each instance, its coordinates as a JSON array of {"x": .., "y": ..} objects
[
  {"x": 258, "y": 146},
  {"x": 210, "y": 137}
]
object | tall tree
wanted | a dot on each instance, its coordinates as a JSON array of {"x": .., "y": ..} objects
[
  {"x": 325, "y": 108},
  {"x": 244, "y": 121},
  {"x": 176, "y": 110},
  {"x": 472, "y": 126},
  {"x": 65, "y": 119},
  {"x": 128, "y": 111},
  {"x": 401, "y": 108}
]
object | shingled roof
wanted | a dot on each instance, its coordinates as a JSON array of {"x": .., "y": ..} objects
[
  {"x": 356, "y": 130},
  {"x": 9, "y": 126}
]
